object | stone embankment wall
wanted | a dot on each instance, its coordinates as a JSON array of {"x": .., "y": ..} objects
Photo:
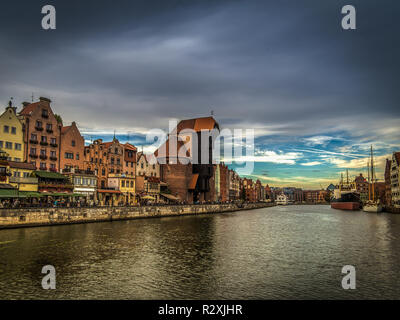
[{"x": 15, "y": 218}]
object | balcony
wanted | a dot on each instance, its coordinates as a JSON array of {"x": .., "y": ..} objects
[
  {"x": 53, "y": 158},
  {"x": 33, "y": 141},
  {"x": 53, "y": 169},
  {"x": 42, "y": 143},
  {"x": 43, "y": 157},
  {"x": 28, "y": 180},
  {"x": 39, "y": 128},
  {"x": 43, "y": 168},
  {"x": 54, "y": 145},
  {"x": 45, "y": 115},
  {"x": 32, "y": 155},
  {"x": 49, "y": 130}
]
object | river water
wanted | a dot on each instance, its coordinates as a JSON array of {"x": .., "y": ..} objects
[{"x": 291, "y": 252}]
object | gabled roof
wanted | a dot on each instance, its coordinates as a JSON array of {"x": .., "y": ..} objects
[
  {"x": 29, "y": 108},
  {"x": 130, "y": 147},
  {"x": 65, "y": 129},
  {"x": 196, "y": 124}
]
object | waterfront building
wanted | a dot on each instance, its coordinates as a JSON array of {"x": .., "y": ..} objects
[
  {"x": 190, "y": 180},
  {"x": 53, "y": 183},
  {"x": 4, "y": 169},
  {"x": 129, "y": 163},
  {"x": 388, "y": 189},
  {"x": 362, "y": 186},
  {"x": 217, "y": 183},
  {"x": 234, "y": 185},
  {"x": 223, "y": 182},
  {"x": 104, "y": 158},
  {"x": 125, "y": 184},
  {"x": 145, "y": 168},
  {"x": 41, "y": 135},
  {"x": 313, "y": 196},
  {"x": 11, "y": 137},
  {"x": 268, "y": 193},
  {"x": 72, "y": 148},
  {"x": 21, "y": 176},
  {"x": 84, "y": 183},
  {"x": 258, "y": 188},
  {"x": 249, "y": 190},
  {"x": 394, "y": 179}
]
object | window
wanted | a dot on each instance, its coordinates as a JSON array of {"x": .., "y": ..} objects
[
  {"x": 141, "y": 165},
  {"x": 52, "y": 166},
  {"x": 123, "y": 183},
  {"x": 33, "y": 151},
  {"x": 13, "y": 130},
  {"x": 77, "y": 157},
  {"x": 38, "y": 124},
  {"x": 43, "y": 165},
  {"x": 26, "y": 174},
  {"x": 1, "y": 144},
  {"x": 17, "y": 146},
  {"x": 53, "y": 141},
  {"x": 43, "y": 139},
  {"x": 8, "y": 145},
  {"x": 42, "y": 152},
  {"x": 49, "y": 127},
  {"x": 6, "y": 129},
  {"x": 52, "y": 154},
  {"x": 131, "y": 184},
  {"x": 17, "y": 174},
  {"x": 73, "y": 143},
  {"x": 103, "y": 172},
  {"x": 17, "y": 159},
  {"x": 70, "y": 155},
  {"x": 33, "y": 136},
  {"x": 45, "y": 113}
]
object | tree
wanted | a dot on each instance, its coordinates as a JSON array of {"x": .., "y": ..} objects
[{"x": 58, "y": 118}]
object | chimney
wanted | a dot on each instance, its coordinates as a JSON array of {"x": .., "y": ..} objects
[
  {"x": 24, "y": 104},
  {"x": 45, "y": 99}
]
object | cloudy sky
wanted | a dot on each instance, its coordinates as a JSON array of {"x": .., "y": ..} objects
[{"x": 317, "y": 96}]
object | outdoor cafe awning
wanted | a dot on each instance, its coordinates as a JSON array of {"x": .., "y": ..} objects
[
  {"x": 148, "y": 198},
  {"x": 170, "y": 197}
]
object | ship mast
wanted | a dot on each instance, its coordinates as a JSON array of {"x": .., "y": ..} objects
[
  {"x": 369, "y": 186},
  {"x": 372, "y": 175}
]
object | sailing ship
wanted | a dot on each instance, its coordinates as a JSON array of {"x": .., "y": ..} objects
[
  {"x": 346, "y": 197},
  {"x": 372, "y": 204}
]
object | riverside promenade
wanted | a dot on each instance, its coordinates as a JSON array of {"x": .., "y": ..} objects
[{"x": 30, "y": 217}]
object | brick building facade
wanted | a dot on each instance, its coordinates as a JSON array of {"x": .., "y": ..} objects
[
  {"x": 72, "y": 148},
  {"x": 41, "y": 135}
]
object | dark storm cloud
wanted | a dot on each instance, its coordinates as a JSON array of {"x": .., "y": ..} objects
[{"x": 133, "y": 64}]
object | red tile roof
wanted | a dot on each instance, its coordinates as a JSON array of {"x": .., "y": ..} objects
[
  {"x": 29, "y": 108},
  {"x": 130, "y": 146},
  {"x": 65, "y": 129},
  {"x": 21, "y": 165}
]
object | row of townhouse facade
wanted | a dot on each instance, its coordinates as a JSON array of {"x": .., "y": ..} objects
[
  {"x": 41, "y": 156},
  {"x": 392, "y": 187}
]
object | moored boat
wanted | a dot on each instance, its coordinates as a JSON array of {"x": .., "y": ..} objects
[
  {"x": 345, "y": 205},
  {"x": 346, "y": 196},
  {"x": 372, "y": 205}
]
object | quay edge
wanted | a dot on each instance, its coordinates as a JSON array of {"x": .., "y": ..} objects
[{"x": 35, "y": 217}]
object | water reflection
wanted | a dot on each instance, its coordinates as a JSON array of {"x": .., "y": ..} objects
[{"x": 293, "y": 252}]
